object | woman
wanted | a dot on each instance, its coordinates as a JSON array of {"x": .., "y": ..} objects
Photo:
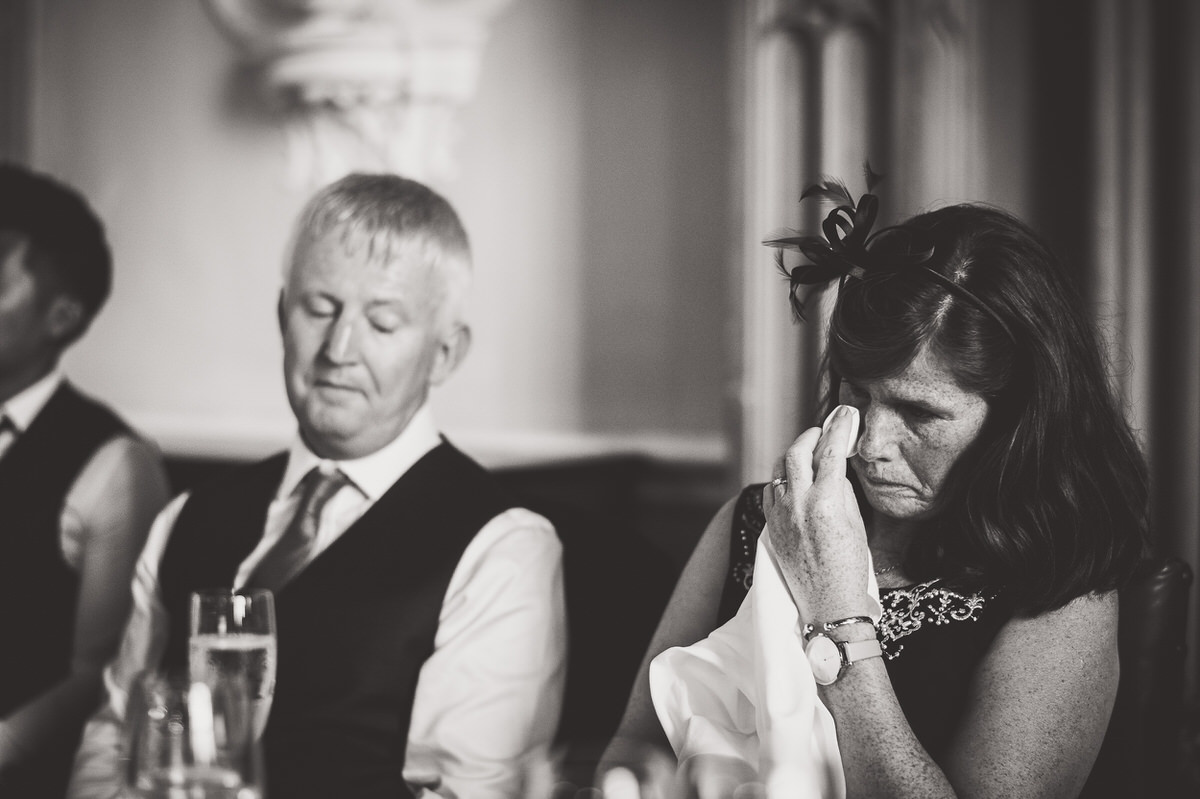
[{"x": 996, "y": 486}]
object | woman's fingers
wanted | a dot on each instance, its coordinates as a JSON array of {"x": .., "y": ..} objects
[
  {"x": 835, "y": 445},
  {"x": 793, "y": 473},
  {"x": 799, "y": 460},
  {"x": 776, "y": 488},
  {"x": 816, "y": 451}
]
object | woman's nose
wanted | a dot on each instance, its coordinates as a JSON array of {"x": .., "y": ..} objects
[{"x": 878, "y": 438}]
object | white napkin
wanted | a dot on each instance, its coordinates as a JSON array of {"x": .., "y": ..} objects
[{"x": 747, "y": 692}]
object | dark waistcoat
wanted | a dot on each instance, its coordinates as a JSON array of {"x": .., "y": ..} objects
[
  {"x": 354, "y": 627},
  {"x": 37, "y": 589}
]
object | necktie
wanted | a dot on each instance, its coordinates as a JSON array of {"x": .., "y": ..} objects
[{"x": 291, "y": 552}]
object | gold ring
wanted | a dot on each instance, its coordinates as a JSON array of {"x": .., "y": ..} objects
[{"x": 778, "y": 481}]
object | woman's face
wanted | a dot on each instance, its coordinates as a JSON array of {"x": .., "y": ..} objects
[{"x": 916, "y": 425}]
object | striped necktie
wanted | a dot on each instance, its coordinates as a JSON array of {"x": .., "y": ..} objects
[{"x": 292, "y": 551}]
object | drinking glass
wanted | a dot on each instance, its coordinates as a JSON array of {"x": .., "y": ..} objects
[
  {"x": 573, "y": 771},
  {"x": 233, "y": 635},
  {"x": 191, "y": 739}
]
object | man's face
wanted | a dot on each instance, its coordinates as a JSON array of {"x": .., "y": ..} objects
[
  {"x": 26, "y": 337},
  {"x": 362, "y": 344}
]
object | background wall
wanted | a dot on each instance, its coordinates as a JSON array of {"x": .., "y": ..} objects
[{"x": 594, "y": 180}]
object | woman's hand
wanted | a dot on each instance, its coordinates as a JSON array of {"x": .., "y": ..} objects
[{"x": 815, "y": 524}]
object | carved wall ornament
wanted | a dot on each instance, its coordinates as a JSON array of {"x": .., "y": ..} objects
[{"x": 370, "y": 85}]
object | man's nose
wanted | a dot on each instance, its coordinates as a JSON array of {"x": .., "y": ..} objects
[{"x": 341, "y": 342}]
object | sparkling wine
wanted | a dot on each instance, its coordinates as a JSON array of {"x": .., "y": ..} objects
[
  {"x": 249, "y": 655},
  {"x": 194, "y": 782}
]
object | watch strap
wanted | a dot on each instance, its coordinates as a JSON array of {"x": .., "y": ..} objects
[{"x": 854, "y": 651}]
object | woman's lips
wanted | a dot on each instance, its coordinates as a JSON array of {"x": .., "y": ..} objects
[{"x": 884, "y": 484}]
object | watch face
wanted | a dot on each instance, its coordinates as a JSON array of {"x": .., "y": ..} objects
[{"x": 824, "y": 659}]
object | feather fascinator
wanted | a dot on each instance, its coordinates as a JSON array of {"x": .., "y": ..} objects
[{"x": 845, "y": 248}]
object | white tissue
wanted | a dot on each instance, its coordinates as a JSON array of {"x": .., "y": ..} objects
[
  {"x": 852, "y": 446},
  {"x": 747, "y": 692}
]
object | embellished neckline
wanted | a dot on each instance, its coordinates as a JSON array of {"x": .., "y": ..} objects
[{"x": 906, "y": 609}]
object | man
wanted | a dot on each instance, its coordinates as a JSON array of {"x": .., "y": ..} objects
[
  {"x": 421, "y": 642},
  {"x": 78, "y": 489}
]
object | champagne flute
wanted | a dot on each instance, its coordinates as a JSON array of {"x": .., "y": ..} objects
[
  {"x": 186, "y": 739},
  {"x": 233, "y": 635}
]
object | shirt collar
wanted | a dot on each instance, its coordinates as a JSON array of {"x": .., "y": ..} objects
[
  {"x": 24, "y": 407},
  {"x": 372, "y": 474}
]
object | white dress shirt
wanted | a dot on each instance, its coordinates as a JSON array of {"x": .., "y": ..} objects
[
  {"x": 123, "y": 462},
  {"x": 488, "y": 696}
]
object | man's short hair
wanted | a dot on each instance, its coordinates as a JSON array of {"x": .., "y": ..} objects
[
  {"x": 65, "y": 238},
  {"x": 395, "y": 219}
]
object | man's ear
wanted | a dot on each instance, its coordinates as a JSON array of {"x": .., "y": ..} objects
[
  {"x": 451, "y": 350},
  {"x": 65, "y": 319}
]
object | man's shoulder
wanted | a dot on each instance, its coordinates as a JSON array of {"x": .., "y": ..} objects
[
  {"x": 215, "y": 486},
  {"x": 125, "y": 462},
  {"x": 78, "y": 403},
  {"x": 67, "y": 433},
  {"x": 71, "y": 416},
  {"x": 447, "y": 458},
  {"x": 447, "y": 449},
  {"x": 510, "y": 505},
  {"x": 240, "y": 474},
  {"x": 448, "y": 488}
]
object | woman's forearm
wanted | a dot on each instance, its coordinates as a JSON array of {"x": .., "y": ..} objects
[{"x": 881, "y": 756}]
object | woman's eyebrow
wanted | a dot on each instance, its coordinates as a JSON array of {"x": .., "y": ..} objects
[
  {"x": 938, "y": 411},
  {"x": 930, "y": 401}
]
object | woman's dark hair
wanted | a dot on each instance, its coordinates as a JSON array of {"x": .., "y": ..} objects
[{"x": 1051, "y": 499}]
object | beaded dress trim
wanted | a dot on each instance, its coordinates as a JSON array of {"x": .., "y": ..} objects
[
  {"x": 746, "y": 529},
  {"x": 906, "y": 610}
]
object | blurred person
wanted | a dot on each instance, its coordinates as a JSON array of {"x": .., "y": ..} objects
[
  {"x": 997, "y": 496},
  {"x": 420, "y": 613},
  {"x": 78, "y": 488}
]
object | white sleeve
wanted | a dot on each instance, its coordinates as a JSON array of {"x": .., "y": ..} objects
[
  {"x": 95, "y": 774},
  {"x": 491, "y": 692},
  {"x": 114, "y": 499}
]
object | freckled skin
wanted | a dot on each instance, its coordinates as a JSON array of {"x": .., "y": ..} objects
[{"x": 915, "y": 427}]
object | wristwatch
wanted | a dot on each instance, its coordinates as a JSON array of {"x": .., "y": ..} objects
[{"x": 829, "y": 658}]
